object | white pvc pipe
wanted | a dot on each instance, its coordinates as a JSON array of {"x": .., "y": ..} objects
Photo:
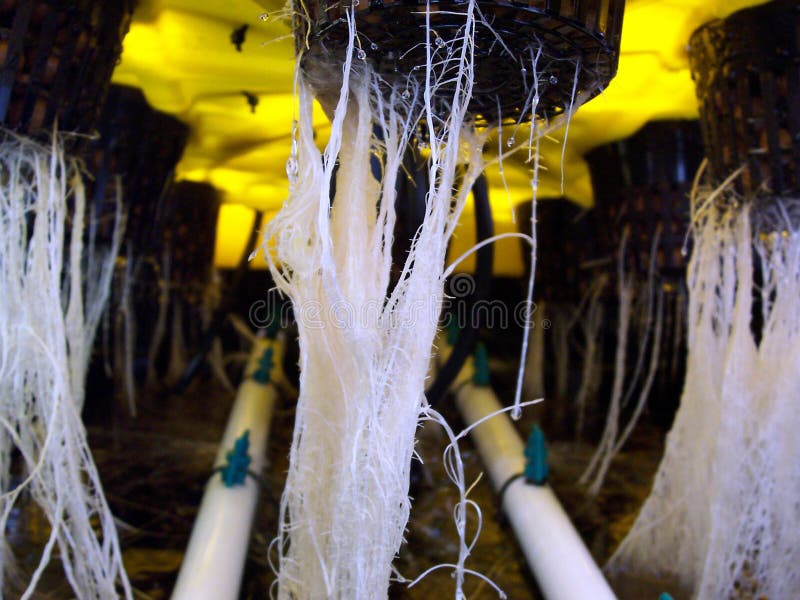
[
  {"x": 560, "y": 561},
  {"x": 214, "y": 560}
]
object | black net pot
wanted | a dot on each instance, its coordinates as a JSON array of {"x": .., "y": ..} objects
[
  {"x": 56, "y": 61},
  {"x": 566, "y": 244},
  {"x": 747, "y": 72},
  {"x": 642, "y": 185},
  {"x": 642, "y": 188},
  {"x": 191, "y": 232},
  {"x": 392, "y": 36},
  {"x": 140, "y": 147}
]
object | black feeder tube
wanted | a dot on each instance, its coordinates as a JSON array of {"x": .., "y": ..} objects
[{"x": 468, "y": 334}]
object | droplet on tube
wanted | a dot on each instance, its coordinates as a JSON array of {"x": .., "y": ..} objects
[
  {"x": 406, "y": 94},
  {"x": 264, "y": 16},
  {"x": 373, "y": 46},
  {"x": 361, "y": 54},
  {"x": 516, "y": 413},
  {"x": 553, "y": 80},
  {"x": 439, "y": 42},
  {"x": 511, "y": 141}
]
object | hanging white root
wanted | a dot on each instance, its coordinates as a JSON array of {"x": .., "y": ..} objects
[
  {"x": 641, "y": 402},
  {"x": 365, "y": 346},
  {"x": 47, "y": 324},
  {"x": 591, "y": 371},
  {"x": 125, "y": 335},
  {"x": 612, "y": 441},
  {"x": 160, "y": 329},
  {"x": 366, "y": 343},
  {"x": 533, "y": 385},
  {"x": 625, "y": 296},
  {"x": 177, "y": 347},
  {"x": 216, "y": 360},
  {"x": 212, "y": 296},
  {"x": 723, "y": 516},
  {"x": 678, "y": 332}
]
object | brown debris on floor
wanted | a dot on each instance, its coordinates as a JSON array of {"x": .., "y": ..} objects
[{"x": 155, "y": 467}]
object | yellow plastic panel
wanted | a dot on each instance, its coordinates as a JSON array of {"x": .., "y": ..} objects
[{"x": 234, "y": 224}]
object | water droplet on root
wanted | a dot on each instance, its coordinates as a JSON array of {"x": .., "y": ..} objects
[{"x": 291, "y": 168}]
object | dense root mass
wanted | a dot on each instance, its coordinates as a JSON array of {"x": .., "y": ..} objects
[
  {"x": 723, "y": 515},
  {"x": 365, "y": 338},
  {"x": 53, "y": 292},
  {"x": 367, "y": 326}
]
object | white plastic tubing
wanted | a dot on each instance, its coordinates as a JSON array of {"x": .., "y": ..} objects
[
  {"x": 558, "y": 558},
  {"x": 214, "y": 561}
]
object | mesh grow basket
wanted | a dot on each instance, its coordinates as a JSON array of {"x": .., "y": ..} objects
[
  {"x": 187, "y": 231},
  {"x": 746, "y": 69},
  {"x": 57, "y": 57},
  {"x": 643, "y": 183},
  {"x": 142, "y": 146},
  {"x": 391, "y": 33},
  {"x": 192, "y": 226}
]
